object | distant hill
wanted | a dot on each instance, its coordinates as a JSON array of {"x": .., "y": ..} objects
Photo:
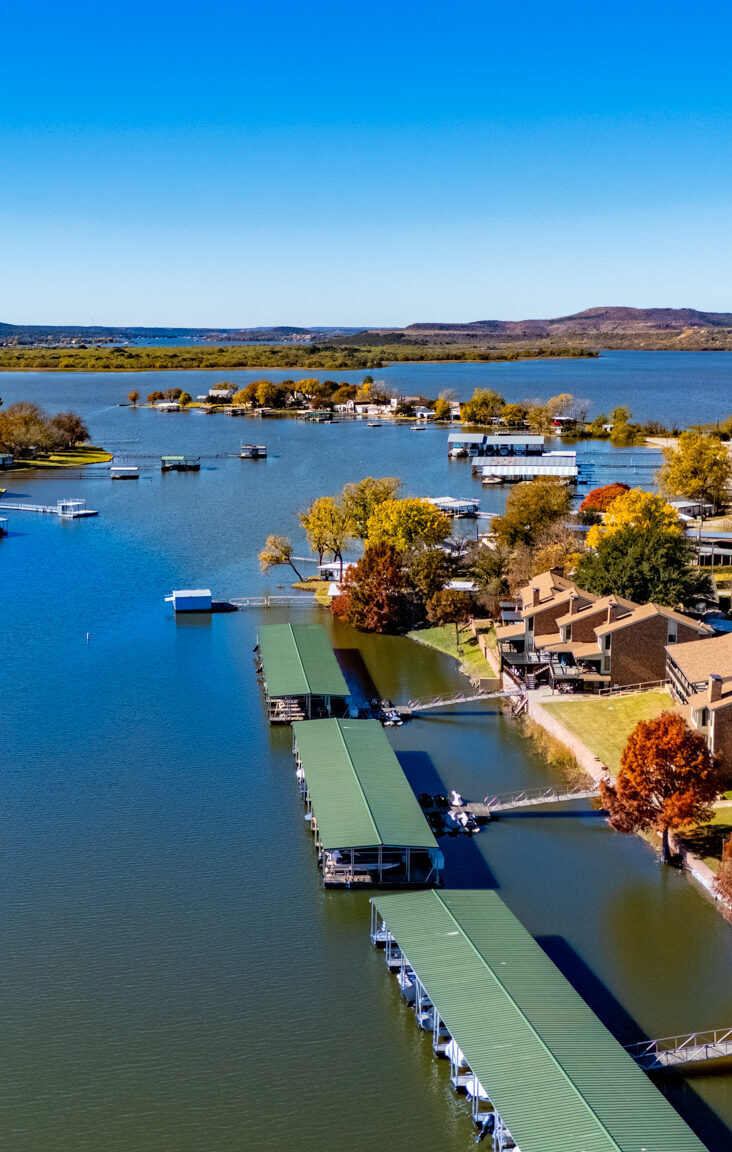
[
  {"x": 592, "y": 320},
  {"x": 65, "y": 333}
]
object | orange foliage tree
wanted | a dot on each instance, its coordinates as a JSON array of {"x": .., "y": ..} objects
[
  {"x": 724, "y": 879},
  {"x": 600, "y": 499},
  {"x": 375, "y": 596},
  {"x": 667, "y": 779}
]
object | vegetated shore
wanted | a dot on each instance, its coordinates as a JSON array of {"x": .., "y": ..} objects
[
  {"x": 313, "y": 357},
  {"x": 548, "y": 733}
]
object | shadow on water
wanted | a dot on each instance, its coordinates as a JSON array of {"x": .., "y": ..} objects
[
  {"x": 435, "y": 717},
  {"x": 465, "y": 865},
  {"x": 358, "y": 677},
  {"x": 695, "y": 1111}
]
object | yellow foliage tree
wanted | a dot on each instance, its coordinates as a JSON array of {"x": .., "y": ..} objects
[
  {"x": 699, "y": 467},
  {"x": 407, "y": 524},
  {"x": 636, "y": 509}
]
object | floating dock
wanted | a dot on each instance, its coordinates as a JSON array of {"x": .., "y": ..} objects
[
  {"x": 120, "y": 472},
  {"x": 253, "y": 451},
  {"x": 368, "y": 826},
  {"x": 300, "y": 674},
  {"x": 190, "y": 600},
  {"x": 66, "y": 509},
  {"x": 542, "y": 1072},
  {"x": 455, "y": 507},
  {"x": 180, "y": 463}
]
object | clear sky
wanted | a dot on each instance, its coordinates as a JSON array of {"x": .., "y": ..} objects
[{"x": 361, "y": 163}]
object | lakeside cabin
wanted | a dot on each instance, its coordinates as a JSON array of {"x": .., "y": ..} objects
[
  {"x": 542, "y": 1072},
  {"x": 300, "y": 674},
  {"x": 180, "y": 463},
  {"x": 368, "y": 826}
]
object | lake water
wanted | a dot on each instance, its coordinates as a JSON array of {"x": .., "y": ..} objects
[{"x": 174, "y": 978}]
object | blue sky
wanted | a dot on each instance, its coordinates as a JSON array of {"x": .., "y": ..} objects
[{"x": 361, "y": 163}]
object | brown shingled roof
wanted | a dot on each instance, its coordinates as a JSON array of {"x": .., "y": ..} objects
[
  {"x": 700, "y": 659},
  {"x": 645, "y": 612}
]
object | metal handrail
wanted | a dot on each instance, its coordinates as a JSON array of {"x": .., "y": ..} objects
[{"x": 688, "y": 1048}]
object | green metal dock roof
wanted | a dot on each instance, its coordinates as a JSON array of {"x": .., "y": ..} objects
[
  {"x": 298, "y": 661},
  {"x": 359, "y": 793},
  {"x": 556, "y": 1075}
]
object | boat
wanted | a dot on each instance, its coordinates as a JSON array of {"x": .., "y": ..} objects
[
  {"x": 491, "y": 480},
  {"x": 457, "y": 452},
  {"x": 374, "y": 424},
  {"x": 418, "y": 427},
  {"x": 253, "y": 451}
]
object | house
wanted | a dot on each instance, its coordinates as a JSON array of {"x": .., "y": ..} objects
[
  {"x": 221, "y": 393},
  {"x": 423, "y": 413},
  {"x": 6, "y": 460},
  {"x": 692, "y": 509},
  {"x": 700, "y": 679},
  {"x": 567, "y": 636},
  {"x": 168, "y": 406}
]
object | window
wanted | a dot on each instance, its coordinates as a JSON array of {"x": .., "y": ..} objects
[
  {"x": 704, "y": 718},
  {"x": 673, "y": 631},
  {"x": 607, "y": 643},
  {"x": 568, "y": 632},
  {"x": 530, "y": 624}
]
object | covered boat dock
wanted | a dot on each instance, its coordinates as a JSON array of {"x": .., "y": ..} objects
[
  {"x": 300, "y": 674},
  {"x": 543, "y": 1073},
  {"x": 562, "y": 464},
  {"x": 367, "y": 822}
]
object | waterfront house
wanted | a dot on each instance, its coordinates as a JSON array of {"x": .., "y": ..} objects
[
  {"x": 712, "y": 546},
  {"x": 6, "y": 460},
  {"x": 692, "y": 509},
  {"x": 224, "y": 394},
  {"x": 700, "y": 679},
  {"x": 566, "y": 635},
  {"x": 423, "y": 413},
  {"x": 368, "y": 826},
  {"x": 300, "y": 674}
]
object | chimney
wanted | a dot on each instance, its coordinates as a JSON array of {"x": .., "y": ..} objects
[
  {"x": 573, "y": 604},
  {"x": 535, "y": 595},
  {"x": 557, "y": 570},
  {"x": 715, "y": 688},
  {"x": 613, "y": 611}
]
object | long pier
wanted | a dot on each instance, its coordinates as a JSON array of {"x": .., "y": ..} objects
[
  {"x": 691, "y": 1048},
  {"x": 466, "y": 697},
  {"x": 66, "y": 509},
  {"x": 528, "y": 798}
]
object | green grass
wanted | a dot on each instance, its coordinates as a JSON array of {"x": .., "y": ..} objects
[
  {"x": 467, "y": 652},
  {"x": 69, "y": 458},
  {"x": 604, "y": 723},
  {"x": 707, "y": 840}
]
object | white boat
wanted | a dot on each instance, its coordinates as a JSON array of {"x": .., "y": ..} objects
[
  {"x": 458, "y": 451},
  {"x": 491, "y": 480},
  {"x": 407, "y": 985},
  {"x": 374, "y": 424},
  {"x": 253, "y": 451}
]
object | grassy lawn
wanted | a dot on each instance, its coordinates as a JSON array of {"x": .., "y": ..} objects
[
  {"x": 69, "y": 458},
  {"x": 468, "y": 653},
  {"x": 708, "y": 840},
  {"x": 604, "y": 723}
]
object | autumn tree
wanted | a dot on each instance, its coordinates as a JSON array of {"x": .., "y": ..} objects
[
  {"x": 699, "y": 467},
  {"x": 408, "y": 523},
  {"x": 489, "y": 568},
  {"x": 185, "y": 399},
  {"x": 277, "y": 550},
  {"x": 374, "y": 595},
  {"x": 724, "y": 879},
  {"x": 484, "y": 404},
  {"x": 442, "y": 409},
  {"x": 644, "y": 563},
  {"x": 668, "y": 779},
  {"x": 328, "y": 527},
  {"x": 450, "y": 606},
  {"x": 514, "y": 414},
  {"x": 556, "y": 546},
  {"x": 133, "y": 397},
  {"x": 67, "y": 429},
  {"x": 600, "y": 499},
  {"x": 636, "y": 509},
  {"x": 530, "y": 508},
  {"x": 362, "y": 498}
]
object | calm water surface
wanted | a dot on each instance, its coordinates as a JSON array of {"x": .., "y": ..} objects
[{"x": 174, "y": 977}]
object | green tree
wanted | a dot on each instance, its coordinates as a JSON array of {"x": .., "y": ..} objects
[
  {"x": 328, "y": 528},
  {"x": 185, "y": 399},
  {"x": 374, "y": 595},
  {"x": 277, "y": 550},
  {"x": 699, "y": 467},
  {"x": 531, "y": 507},
  {"x": 362, "y": 498},
  {"x": 408, "y": 523},
  {"x": 429, "y": 571},
  {"x": 644, "y": 563},
  {"x": 490, "y": 569},
  {"x": 450, "y": 607}
]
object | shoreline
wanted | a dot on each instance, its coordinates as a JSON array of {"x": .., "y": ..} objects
[{"x": 692, "y": 865}]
